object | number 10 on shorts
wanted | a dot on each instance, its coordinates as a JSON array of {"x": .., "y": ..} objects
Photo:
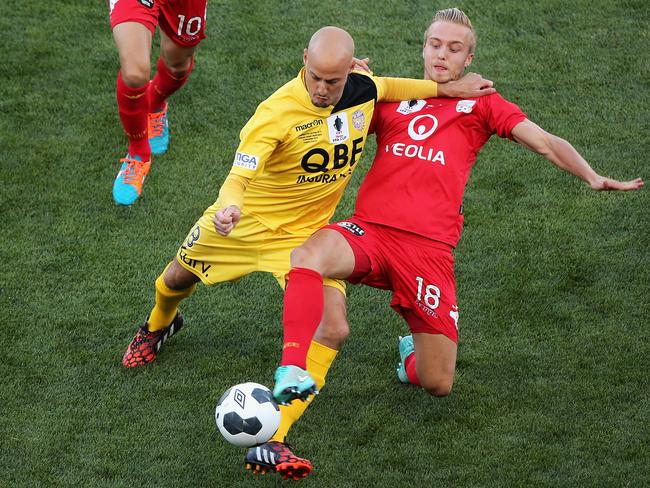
[
  {"x": 431, "y": 294},
  {"x": 192, "y": 27}
]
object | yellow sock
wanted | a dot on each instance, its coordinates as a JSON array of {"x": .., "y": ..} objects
[
  {"x": 319, "y": 360},
  {"x": 167, "y": 300}
]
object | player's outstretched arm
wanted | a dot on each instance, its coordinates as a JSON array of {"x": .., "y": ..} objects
[
  {"x": 471, "y": 85},
  {"x": 603, "y": 183},
  {"x": 564, "y": 156},
  {"x": 396, "y": 89}
]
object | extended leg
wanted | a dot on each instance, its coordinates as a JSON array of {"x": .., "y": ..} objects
[
  {"x": 331, "y": 333},
  {"x": 173, "y": 285},
  {"x": 133, "y": 41}
]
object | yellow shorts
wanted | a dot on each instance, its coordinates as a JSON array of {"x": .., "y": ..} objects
[{"x": 250, "y": 247}]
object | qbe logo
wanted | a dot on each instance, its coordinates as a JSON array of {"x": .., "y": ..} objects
[{"x": 422, "y": 127}]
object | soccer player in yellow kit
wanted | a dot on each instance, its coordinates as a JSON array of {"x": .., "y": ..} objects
[{"x": 294, "y": 160}]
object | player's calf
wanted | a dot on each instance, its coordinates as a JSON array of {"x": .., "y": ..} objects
[{"x": 433, "y": 365}]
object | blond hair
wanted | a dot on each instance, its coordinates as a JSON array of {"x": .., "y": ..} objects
[{"x": 454, "y": 16}]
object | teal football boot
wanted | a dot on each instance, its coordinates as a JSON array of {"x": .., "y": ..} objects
[
  {"x": 127, "y": 186},
  {"x": 291, "y": 383},
  {"x": 406, "y": 348}
]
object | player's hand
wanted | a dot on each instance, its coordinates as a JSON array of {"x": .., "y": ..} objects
[
  {"x": 471, "y": 85},
  {"x": 361, "y": 64},
  {"x": 602, "y": 183},
  {"x": 226, "y": 219}
]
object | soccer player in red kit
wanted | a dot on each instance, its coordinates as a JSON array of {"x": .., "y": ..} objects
[
  {"x": 409, "y": 214},
  {"x": 142, "y": 104}
]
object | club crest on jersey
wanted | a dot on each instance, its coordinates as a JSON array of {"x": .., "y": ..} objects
[
  {"x": 337, "y": 126},
  {"x": 410, "y": 106},
  {"x": 358, "y": 119},
  {"x": 352, "y": 227},
  {"x": 465, "y": 106}
]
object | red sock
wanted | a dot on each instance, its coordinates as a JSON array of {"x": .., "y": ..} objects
[
  {"x": 411, "y": 373},
  {"x": 164, "y": 84},
  {"x": 303, "y": 310},
  {"x": 133, "y": 105}
]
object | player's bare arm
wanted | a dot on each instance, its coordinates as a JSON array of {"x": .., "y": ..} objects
[
  {"x": 469, "y": 86},
  {"x": 562, "y": 154}
]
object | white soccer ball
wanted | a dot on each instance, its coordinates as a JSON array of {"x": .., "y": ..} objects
[{"x": 247, "y": 414}]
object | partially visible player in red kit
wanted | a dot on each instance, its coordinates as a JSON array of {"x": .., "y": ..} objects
[
  {"x": 142, "y": 103},
  {"x": 409, "y": 214}
]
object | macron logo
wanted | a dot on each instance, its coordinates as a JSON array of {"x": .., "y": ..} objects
[{"x": 246, "y": 161}]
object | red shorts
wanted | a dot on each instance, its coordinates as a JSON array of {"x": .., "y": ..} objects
[
  {"x": 419, "y": 271},
  {"x": 183, "y": 21}
]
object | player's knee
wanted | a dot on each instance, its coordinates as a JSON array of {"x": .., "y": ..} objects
[
  {"x": 177, "y": 61},
  {"x": 441, "y": 389},
  {"x": 179, "y": 71},
  {"x": 333, "y": 332},
  {"x": 135, "y": 75},
  {"x": 178, "y": 278},
  {"x": 437, "y": 385},
  {"x": 303, "y": 257}
]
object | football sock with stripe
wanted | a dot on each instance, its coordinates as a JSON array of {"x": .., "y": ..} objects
[
  {"x": 133, "y": 106},
  {"x": 167, "y": 300},
  {"x": 319, "y": 360},
  {"x": 164, "y": 84},
  {"x": 303, "y": 310}
]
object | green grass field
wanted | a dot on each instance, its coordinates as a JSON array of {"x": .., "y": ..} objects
[{"x": 552, "y": 386}]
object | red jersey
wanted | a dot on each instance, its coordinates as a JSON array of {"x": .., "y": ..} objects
[{"x": 425, "y": 152}]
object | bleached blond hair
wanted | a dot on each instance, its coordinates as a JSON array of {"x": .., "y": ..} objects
[{"x": 454, "y": 16}]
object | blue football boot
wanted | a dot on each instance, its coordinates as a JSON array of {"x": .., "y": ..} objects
[{"x": 127, "y": 186}]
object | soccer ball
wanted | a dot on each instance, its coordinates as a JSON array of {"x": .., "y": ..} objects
[{"x": 247, "y": 415}]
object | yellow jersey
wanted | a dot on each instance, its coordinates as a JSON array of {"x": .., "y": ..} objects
[{"x": 295, "y": 159}]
